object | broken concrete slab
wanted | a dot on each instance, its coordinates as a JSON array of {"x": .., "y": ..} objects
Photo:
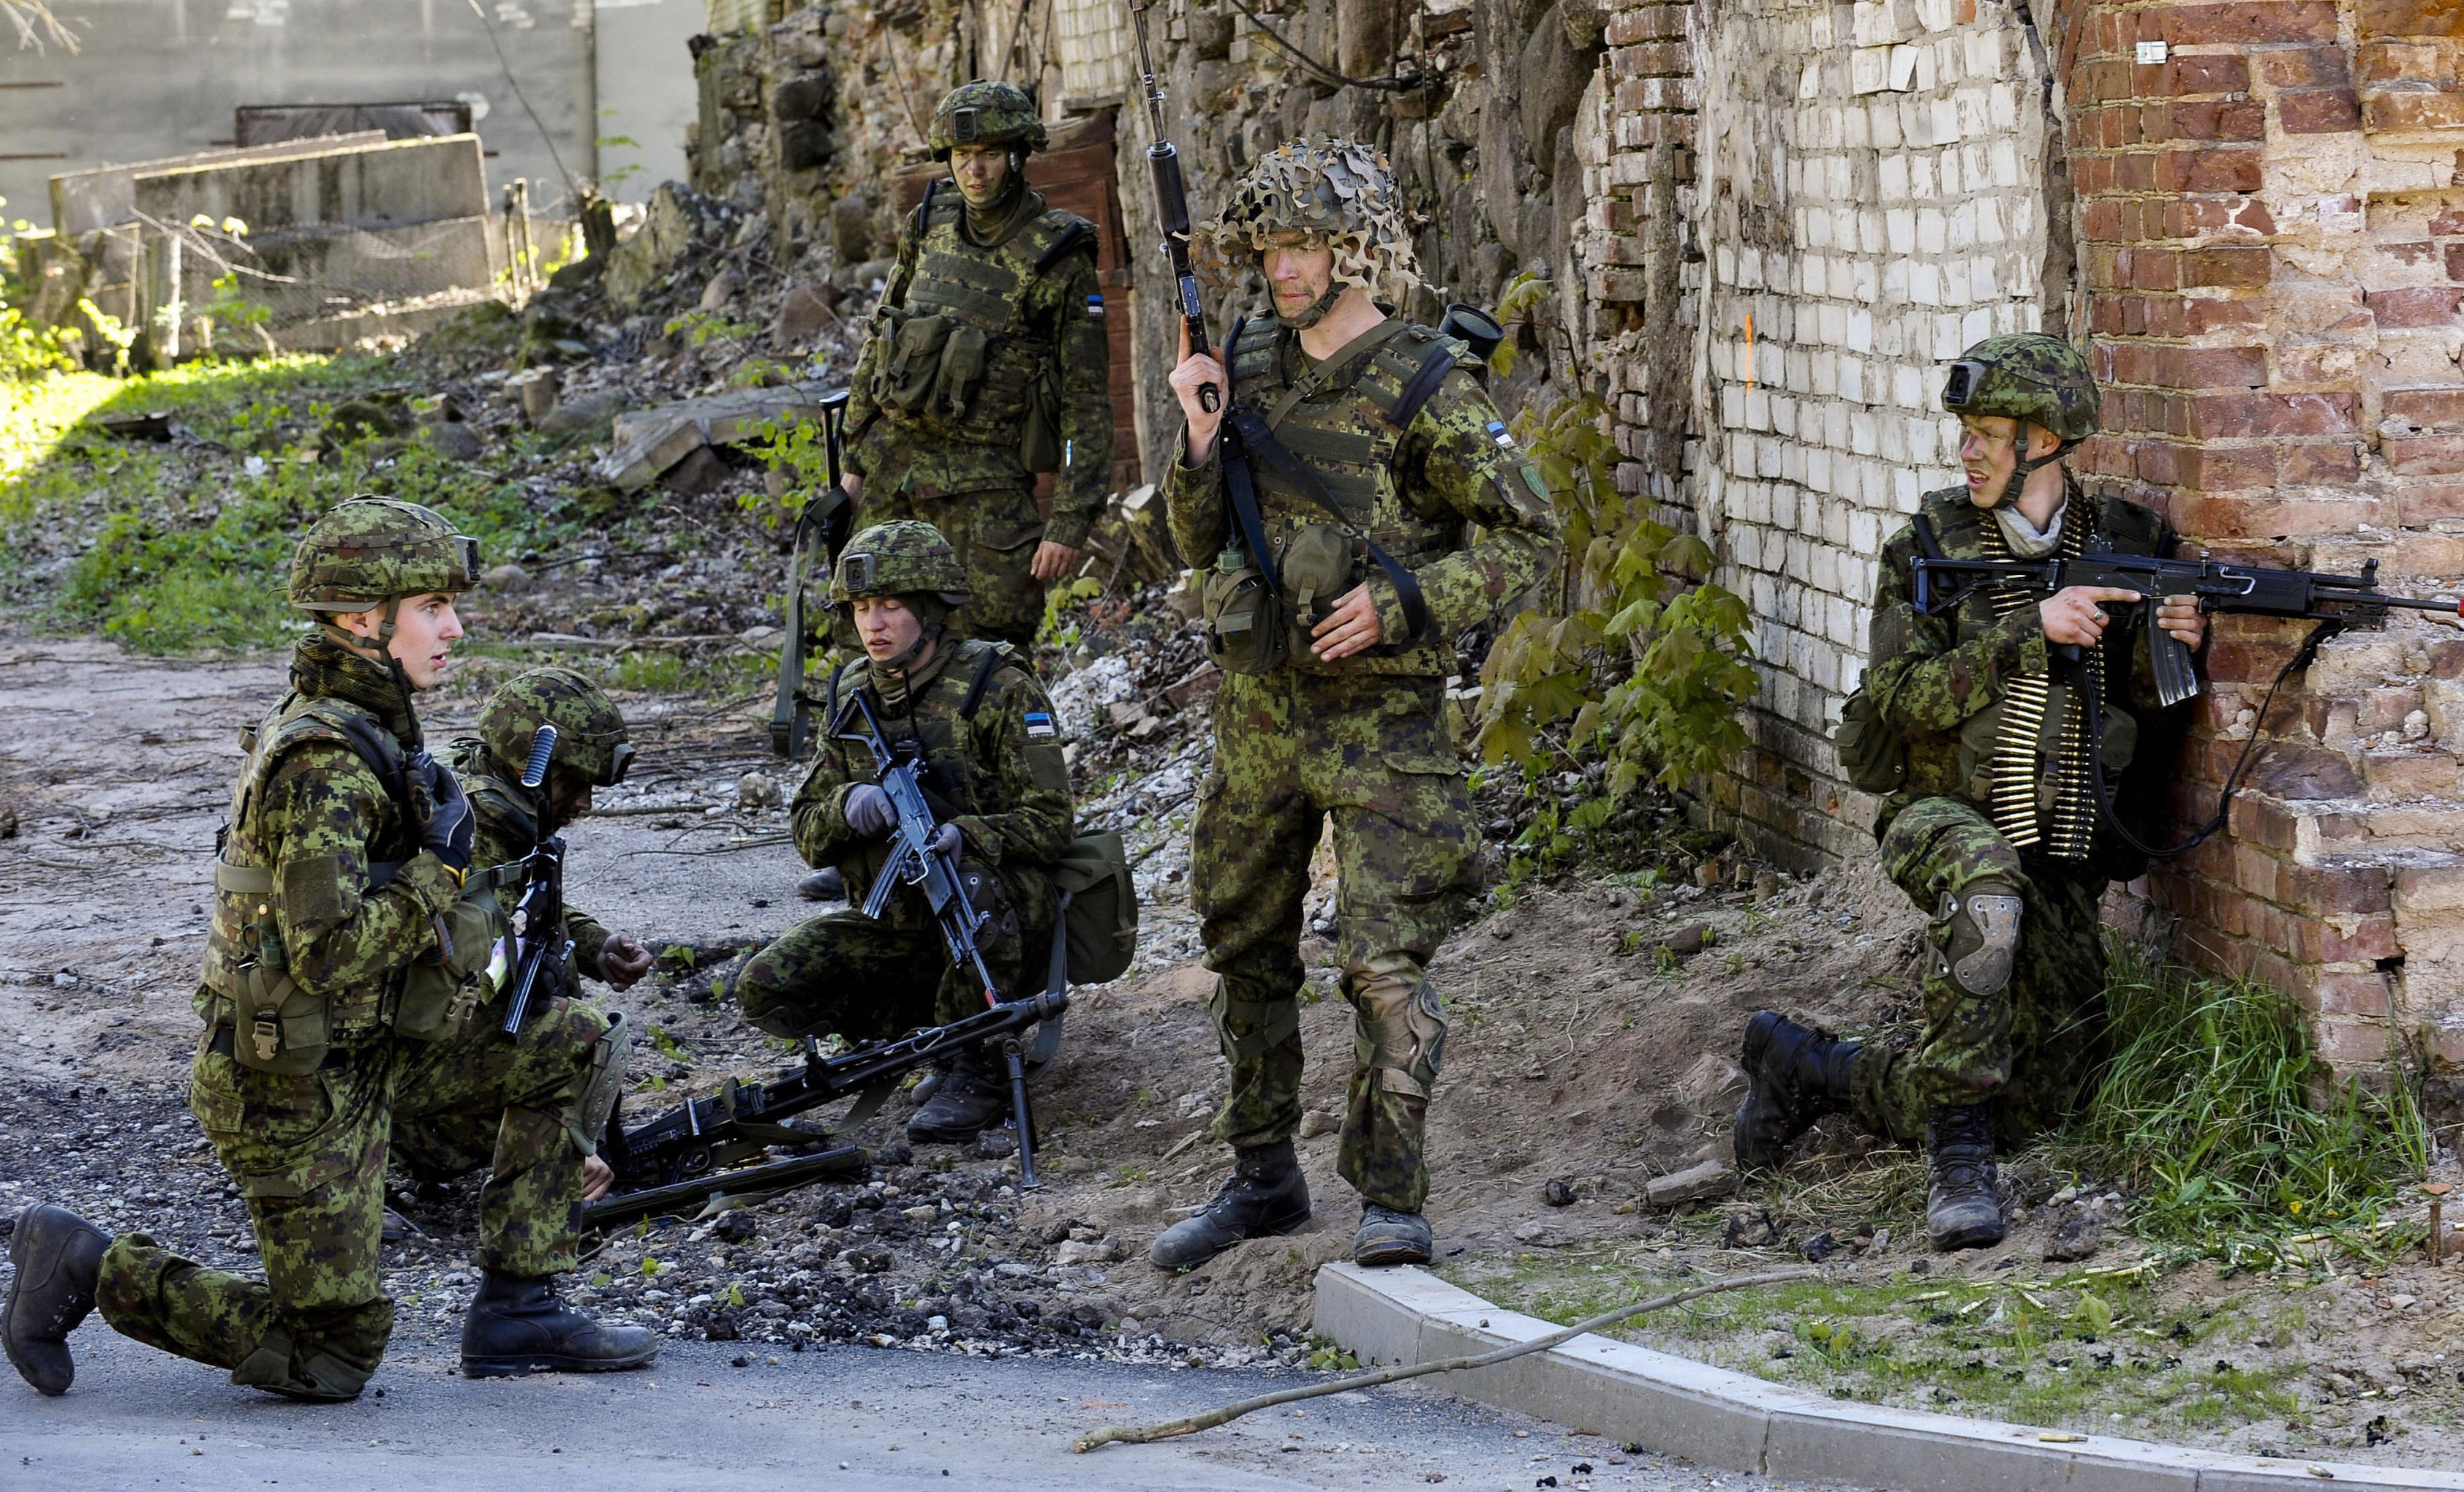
[
  {"x": 648, "y": 442},
  {"x": 1694, "y": 1184}
]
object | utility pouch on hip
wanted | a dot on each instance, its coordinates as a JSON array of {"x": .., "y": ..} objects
[
  {"x": 1874, "y": 759},
  {"x": 1038, "y": 438},
  {"x": 277, "y": 1026},
  {"x": 1316, "y": 569},
  {"x": 439, "y": 999},
  {"x": 1248, "y": 627},
  {"x": 912, "y": 367}
]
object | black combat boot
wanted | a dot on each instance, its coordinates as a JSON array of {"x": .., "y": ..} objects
[
  {"x": 1388, "y": 1237},
  {"x": 1794, "y": 1075},
  {"x": 825, "y": 885},
  {"x": 518, "y": 1326},
  {"x": 1964, "y": 1209},
  {"x": 971, "y": 1098},
  {"x": 1265, "y": 1194},
  {"x": 58, "y": 1257}
]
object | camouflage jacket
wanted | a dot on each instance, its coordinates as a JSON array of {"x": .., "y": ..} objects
[
  {"x": 508, "y": 827},
  {"x": 1935, "y": 679},
  {"x": 1448, "y": 495},
  {"x": 998, "y": 774},
  {"x": 1028, "y": 286},
  {"x": 354, "y": 898}
]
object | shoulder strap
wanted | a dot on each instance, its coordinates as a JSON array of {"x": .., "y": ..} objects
[
  {"x": 1077, "y": 233},
  {"x": 1339, "y": 369},
  {"x": 1257, "y": 437},
  {"x": 1435, "y": 364},
  {"x": 1928, "y": 542},
  {"x": 994, "y": 656}
]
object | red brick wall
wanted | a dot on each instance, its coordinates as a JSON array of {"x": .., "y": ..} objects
[{"x": 2272, "y": 254}]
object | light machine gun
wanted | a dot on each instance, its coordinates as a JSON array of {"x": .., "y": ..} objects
[
  {"x": 2332, "y": 601},
  {"x": 539, "y": 946},
  {"x": 821, "y": 530}
]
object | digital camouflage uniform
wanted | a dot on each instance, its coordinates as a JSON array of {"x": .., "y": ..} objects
[
  {"x": 1366, "y": 739},
  {"x": 1934, "y": 680},
  {"x": 1000, "y": 777},
  {"x": 986, "y": 310},
  {"x": 320, "y": 849}
]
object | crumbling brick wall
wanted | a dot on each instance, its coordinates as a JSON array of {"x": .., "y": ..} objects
[{"x": 2273, "y": 217}]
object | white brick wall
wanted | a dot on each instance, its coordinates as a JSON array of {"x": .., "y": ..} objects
[{"x": 1096, "y": 49}]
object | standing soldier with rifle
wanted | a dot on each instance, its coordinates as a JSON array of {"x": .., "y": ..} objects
[
  {"x": 1972, "y": 728},
  {"x": 970, "y": 716},
  {"x": 987, "y": 364},
  {"x": 576, "y": 734},
  {"x": 1335, "y": 463},
  {"x": 344, "y": 944}
]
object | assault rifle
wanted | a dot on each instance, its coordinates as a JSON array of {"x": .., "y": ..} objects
[
  {"x": 1172, "y": 206},
  {"x": 2236, "y": 589},
  {"x": 540, "y": 945},
  {"x": 916, "y": 860},
  {"x": 821, "y": 530},
  {"x": 686, "y": 1157},
  {"x": 2332, "y": 601}
]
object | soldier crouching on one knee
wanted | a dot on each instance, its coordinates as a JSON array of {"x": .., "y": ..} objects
[
  {"x": 971, "y": 715},
  {"x": 345, "y": 944},
  {"x": 1987, "y": 825},
  {"x": 457, "y": 1130},
  {"x": 1341, "y": 711}
]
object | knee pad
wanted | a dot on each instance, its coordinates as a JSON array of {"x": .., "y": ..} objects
[
  {"x": 997, "y": 939},
  {"x": 1980, "y": 935},
  {"x": 1249, "y": 1029},
  {"x": 1400, "y": 1030},
  {"x": 586, "y": 1118}
]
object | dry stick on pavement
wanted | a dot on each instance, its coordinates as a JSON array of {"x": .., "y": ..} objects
[{"x": 1140, "y": 1435}]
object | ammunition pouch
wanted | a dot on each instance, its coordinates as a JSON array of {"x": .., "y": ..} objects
[
  {"x": 1873, "y": 758},
  {"x": 441, "y": 995},
  {"x": 1316, "y": 570},
  {"x": 910, "y": 375},
  {"x": 1980, "y": 738},
  {"x": 1248, "y": 626}
]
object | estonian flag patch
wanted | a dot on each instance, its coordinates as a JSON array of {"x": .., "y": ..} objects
[
  {"x": 1498, "y": 433},
  {"x": 1038, "y": 723}
]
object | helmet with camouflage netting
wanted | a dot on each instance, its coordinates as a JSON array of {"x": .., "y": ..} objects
[
  {"x": 590, "y": 736},
  {"x": 985, "y": 113},
  {"x": 372, "y": 550},
  {"x": 1338, "y": 192},
  {"x": 903, "y": 558},
  {"x": 2027, "y": 376}
]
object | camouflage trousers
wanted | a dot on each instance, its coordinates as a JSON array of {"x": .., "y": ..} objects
[
  {"x": 844, "y": 973},
  {"x": 2027, "y": 1048},
  {"x": 1375, "y": 754},
  {"x": 995, "y": 533},
  {"x": 309, "y": 1155}
]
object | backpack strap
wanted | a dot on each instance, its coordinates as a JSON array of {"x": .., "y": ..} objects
[
  {"x": 1077, "y": 233},
  {"x": 986, "y": 666},
  {"x": 1256, "y": 437},
  {"x": 1435, "y": 364}
]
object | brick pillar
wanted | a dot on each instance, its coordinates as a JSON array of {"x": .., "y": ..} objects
[{"x": 2272, "y": 218}]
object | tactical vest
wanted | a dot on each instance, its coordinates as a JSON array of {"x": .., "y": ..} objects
[
  {"x": 961, "y": 362},
  {"x": 1348, "y": 442},
  {"x": 278, "y": 1026},
  {"x": 938, "y": 726},
  {"x": 2024, "y": 758}
]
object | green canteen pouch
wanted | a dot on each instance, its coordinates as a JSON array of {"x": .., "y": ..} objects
[
  {"x": 1248, "y": 629},
  {"x": 439, "y": 997},
  {"x": 961, "y": 369},
  {"x": 913, "y": 365},
  {"x": 1874, "y": 759},
  {"x": 1316, "y": 567}
]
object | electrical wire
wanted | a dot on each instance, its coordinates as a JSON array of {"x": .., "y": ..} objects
[
  {"x": 572, "y": 184},
  {"x": 1398, "y": 83}
]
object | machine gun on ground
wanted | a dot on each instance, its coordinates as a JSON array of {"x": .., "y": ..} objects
[{"x": 706, "y": 1147}]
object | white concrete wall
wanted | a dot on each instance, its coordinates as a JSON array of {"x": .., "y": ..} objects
[{"x": 646, "y": 91}]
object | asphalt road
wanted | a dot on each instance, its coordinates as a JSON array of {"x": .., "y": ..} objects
[{"x": 840, "y": 1418}]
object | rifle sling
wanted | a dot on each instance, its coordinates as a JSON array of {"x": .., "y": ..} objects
[{"x": 1256, "y": 436}]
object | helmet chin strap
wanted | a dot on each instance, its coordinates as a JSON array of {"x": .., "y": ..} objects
[
  {"x": 380, "y": 653},
  {"x": 1316, "y": 311},
  {"x": 926, "y": 636},
  {"x": 2024, "y": 468}
]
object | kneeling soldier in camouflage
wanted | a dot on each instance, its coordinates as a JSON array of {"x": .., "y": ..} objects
[
  {"x": 345, "y": 950},
  {"x": 1397, "y": 515},
  {"x": 1987, "y": 819},
  {"x": 971, "y": 713}
]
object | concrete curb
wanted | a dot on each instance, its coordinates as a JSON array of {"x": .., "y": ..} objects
[{"x": 1717, "y": 1417}]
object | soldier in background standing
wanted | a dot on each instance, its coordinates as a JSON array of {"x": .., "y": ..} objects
[{"x": 1337, "y": 707}]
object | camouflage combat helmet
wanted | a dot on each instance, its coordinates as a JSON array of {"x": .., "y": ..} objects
[
  {"x": 1339, "y": 192},
  {"x": 985, "y": 113},
  {"x": 2030, "y": 377},
  {"x": 590, "y": 729},
  {"x": 372, "y": 550},
  {"x": 903, "y": 558}
]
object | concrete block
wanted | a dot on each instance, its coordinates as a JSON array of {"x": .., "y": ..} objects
[
  {"x": 107, "y": 195},
  {"x": 387, "y": 183}
]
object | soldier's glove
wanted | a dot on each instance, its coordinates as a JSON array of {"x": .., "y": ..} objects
[
  {"x": 945, "y": 840},
  {"x": 869, "y": 812},
  {"x": 446, "y": 828}
]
